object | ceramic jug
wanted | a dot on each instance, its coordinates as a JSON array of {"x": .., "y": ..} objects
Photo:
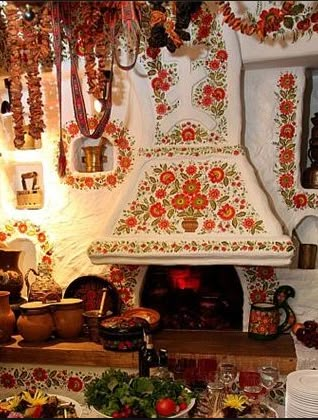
[
  {"x": 11, "y": 278},
  {"x": 265, "y": 318},
  {"x": 7, "y": 317}
]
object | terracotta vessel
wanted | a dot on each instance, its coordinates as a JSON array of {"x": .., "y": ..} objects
[
  {"x": 7, "y": 318},
  {"x": 68, "y": 317},
  {"x": 35, "y": 322},
  {"x": 11, "y": 278}
]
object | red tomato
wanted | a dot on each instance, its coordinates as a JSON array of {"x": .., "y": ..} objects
[
  {"x": 165, "y": 407},
  {"x": 183, "y": 406}
]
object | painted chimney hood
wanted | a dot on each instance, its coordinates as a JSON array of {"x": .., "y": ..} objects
[{"x": 193, "y": 196}]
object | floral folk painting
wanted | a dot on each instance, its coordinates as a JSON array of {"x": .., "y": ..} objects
[
  {"x": 119, "y": 136},
  {"x": 287, "y": 132},
  {"x": 203, "y": 196}
]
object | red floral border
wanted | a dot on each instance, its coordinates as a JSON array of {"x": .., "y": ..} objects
[{"x": 285, "y": 168}]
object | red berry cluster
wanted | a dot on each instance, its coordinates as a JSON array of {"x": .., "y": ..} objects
[{"x": 308, "y": 334}]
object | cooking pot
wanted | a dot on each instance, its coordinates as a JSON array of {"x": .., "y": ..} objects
[{"x": 35, "y": 322}]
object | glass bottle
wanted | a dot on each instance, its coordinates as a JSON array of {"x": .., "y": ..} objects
[
  {"x": 142, "y": 354},
  {"x": 150, "y": 360},
  {"x": 163, "y": 370}
]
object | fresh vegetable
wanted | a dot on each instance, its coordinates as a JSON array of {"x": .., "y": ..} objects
[
  {"x": 166, "y": 407},
  {"x": 120, "y": 395}
]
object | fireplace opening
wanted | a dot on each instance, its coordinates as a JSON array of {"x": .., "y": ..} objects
[{"x": 195, "y": 297}]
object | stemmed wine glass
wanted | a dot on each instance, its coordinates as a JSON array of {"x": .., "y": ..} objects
[
  {"x": 227, "y": 373},
  {"x": 269, "y": 377}
]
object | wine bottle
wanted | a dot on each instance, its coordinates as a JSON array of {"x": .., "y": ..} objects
[
  {"x": 150, "y": 360},
  {"x": 163, "y": 370},
  {"x": 142, "y": 354}
]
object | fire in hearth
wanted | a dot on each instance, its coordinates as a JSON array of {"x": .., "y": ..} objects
[{"x": 195, "y": 297}]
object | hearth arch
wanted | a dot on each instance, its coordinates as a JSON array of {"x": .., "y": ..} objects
[{"x": 258, "y": 283}]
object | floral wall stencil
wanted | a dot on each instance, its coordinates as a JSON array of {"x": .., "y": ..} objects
[
  {"x": 13, "y": 229},
  {"x": 117, "y": 135},
  {"x": 286, "y": 169},
  {"x": 211, "y": 93},
  {"x": 202, "y": 196},
  {"x": 124, "y": 278}
]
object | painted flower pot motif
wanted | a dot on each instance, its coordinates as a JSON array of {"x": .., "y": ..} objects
[{"x": 190, "y": 224}]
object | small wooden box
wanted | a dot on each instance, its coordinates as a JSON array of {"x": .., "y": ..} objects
[{"x": 30, "y": 199}]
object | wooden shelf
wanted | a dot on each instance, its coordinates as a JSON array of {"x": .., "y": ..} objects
[{"x": 237, "y": 346}]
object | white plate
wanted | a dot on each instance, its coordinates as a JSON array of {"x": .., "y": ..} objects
[
  {"x": 63, "y": 399},
  {"x": 180, "y": 414}
]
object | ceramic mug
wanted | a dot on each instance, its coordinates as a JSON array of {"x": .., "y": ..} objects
[{"x": 264, "y": 321}]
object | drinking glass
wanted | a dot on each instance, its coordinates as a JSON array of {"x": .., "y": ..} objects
[
  {"x": 250, "y": 384},
  {"x": 227, "y": 373},
  {"x": 269, "y": 378}
]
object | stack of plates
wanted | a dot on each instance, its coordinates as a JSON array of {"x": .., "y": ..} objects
[{"x": 302, "y": 394}]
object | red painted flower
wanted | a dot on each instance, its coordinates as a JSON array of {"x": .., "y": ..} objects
[
  {"x": 303, "y": 25},
  {"x": 3, "y": 236},
  {"x": 180, "y": 201},
  {"x": 160, "y": 193},
  {"x": 157, "y": 210},
  {"x": 7, "y": 380},
  {"x": 270, "y": 20},
  {"x": 191, "y": 169},
  {"x": 124, "y": 162},
  {"x": 209, "y": 225},
  {"x": 75, "y": 384},
  {"x": 214, "y": 193},
  {"x": 89, "y": 181},
  {"x": 208, "y": 90},
  {"x": 248, "y": 223},
  {"x": 203, "y": 32},
  {"x": 92, "y": 122},
  {"x": 214, "y": 64},
  {"x": 191, "y": 186},
  {"x": 165, "y": 86},
  {"x": 199, "y": 201},
  {"x": 315, "y": 27},
  {"x": 286, "y": 107},
  {"x": 41, "y": 237},
  {"x": 153, "y": 52},
  {"x": 39, "y": 374},
  {"x": 287, "y": 131},
  {"x": 287, "y": 81},
  {"x": 47, "y": 260},
  {"x": 110, "y": 128},
  {"x": 265, "y": 273},
  {"x": 167, "y": 177},
  {"x": 116, "y": 275},
  {"x": 207, "y": 101},
  {"x": 222, "y": 55},
  {"x": 125, "y": 294},
  {"x": 164, "y": 224},
  {"x": 216, "y": 174},
  {"x": 286, "y": 180},
  {"x": 22, "y": 227},
  {"x": 300, "y": 200},
  {"x": 258, "y": 295},
  {"x": 122, "y": 143},
  {"x": 286, "y": 156},
  {"x": 161, "y": 109},
  {"x": 131, "y": 221},
  {"x": 156, "y": 83},
  {"x": 73, "y": 129},
  {"x": 314, "y": 17},
  {"x": 226, "y": 212},
  {"x": 188, "y": 134},
  {"x": 70, "y": 180},
  {"x": 111, "y": 180},
  {"x": 219, "y": 94},
  {"x": 206, "y": 19}
]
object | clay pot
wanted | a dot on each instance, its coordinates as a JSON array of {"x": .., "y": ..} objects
[
  {"x": 68, "y": 317},
  {"x": 35, "y": 322},
  {"x": 7, "y": 318},
  {"x": 11, "y": 278}
]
